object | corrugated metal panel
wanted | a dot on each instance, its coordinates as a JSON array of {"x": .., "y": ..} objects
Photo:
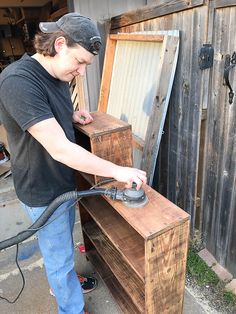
[
  {"x": 101, "y": 11},
  {"x": 134, "y": 83},
  {"x": 134, "y": 87}
]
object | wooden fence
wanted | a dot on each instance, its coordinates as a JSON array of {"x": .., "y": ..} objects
[{"x": 196, "y": 168}]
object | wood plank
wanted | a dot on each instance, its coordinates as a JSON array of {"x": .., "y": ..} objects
[
  {"x": 165, "y": 271},
  {"x": 191, "y": 118},
  {"x": 220, "y": 170},
  {"x": 156, "y": 217},
  {"x": 199, "y": 208},
  {"x": 115, "y": 147},
  {"x": 120, "y": 295},
  {"x": 163, "y": 7},
  {"x": 138, "y": 142},
  {"x": 80, "y": 102},
  {"x": 215, "y": 127},
  {"x": 224, "y": 3},
  {"x": 132, "y": 284},
  {"x": 106, "y": 75},
  {"x": 127, "y": 241},
  {"x": 159, "y": 109},
  {"x": 229, "y": 172},
  {"x": 137, "y": 37},
  {"x": 102, "y": 123}
]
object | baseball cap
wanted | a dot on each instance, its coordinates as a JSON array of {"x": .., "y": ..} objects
[{"x": 79, "y": 28}]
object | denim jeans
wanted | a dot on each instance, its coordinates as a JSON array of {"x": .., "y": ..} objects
[{"x": 57, "y": 248}]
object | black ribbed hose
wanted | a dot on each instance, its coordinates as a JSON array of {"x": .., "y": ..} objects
[{"x": 73, "y": 195}]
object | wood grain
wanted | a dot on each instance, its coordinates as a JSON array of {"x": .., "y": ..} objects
[
  {"x": 119, "y": 267},
  {"x": 165, "y": 271},
  {"x": 127, "y": 241}
]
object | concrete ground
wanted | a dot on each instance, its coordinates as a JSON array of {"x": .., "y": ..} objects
[{"x": 35, "y": 298}]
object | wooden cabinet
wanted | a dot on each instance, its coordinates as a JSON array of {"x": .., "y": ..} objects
[
  {"x": 108, "y": 138},
  {"x": 139, "y": 252}
]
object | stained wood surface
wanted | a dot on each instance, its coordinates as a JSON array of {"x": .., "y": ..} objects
[
  {"x": 127, "y": 241},
  {"x": 122, "y": 298},
  {"x": 103, "y": 123},
  {"x": 137, "y": 37},
  {"x": 78, "y": 93},
  {"x": 108, "y": 138},
  {"x": 131, "y": 283},
  {"x": 165, "y": 271},
  {"x": 115, "y": 147},
  {"x": 156, "y": 217},
  {"x": 163, "y": 7},
  {"x": 106, "y": 75}
]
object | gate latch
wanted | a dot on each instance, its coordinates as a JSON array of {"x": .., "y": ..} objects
[
  {"x": 229, "y": 64},
  {"x": 206, "y": 55}
]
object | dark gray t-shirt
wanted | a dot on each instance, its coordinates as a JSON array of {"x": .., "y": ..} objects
[{"x": 28, "y": 95}]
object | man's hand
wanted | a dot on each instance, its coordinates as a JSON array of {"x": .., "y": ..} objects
[
  {"x": 130, "y": 175},
  {"x": 82, "y": 117}
]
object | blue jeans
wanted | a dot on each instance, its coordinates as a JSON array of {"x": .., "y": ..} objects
[{"x": 57, "y": 247}]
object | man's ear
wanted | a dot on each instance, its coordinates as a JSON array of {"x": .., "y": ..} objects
[{"x": 59, "y": 43}]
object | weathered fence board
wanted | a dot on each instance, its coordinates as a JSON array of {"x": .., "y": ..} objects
[
  {"x": 220, "y": 170},
  {"x": 163, "y": 7}
]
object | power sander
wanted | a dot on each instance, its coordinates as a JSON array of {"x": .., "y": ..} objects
[{"x": 130, "y": 198}]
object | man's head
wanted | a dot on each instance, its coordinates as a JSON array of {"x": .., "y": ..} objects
[
  {"x": 71, "y": 43},
  {"x": 79, "y": 28}
]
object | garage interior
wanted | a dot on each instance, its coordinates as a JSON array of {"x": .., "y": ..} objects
[{"x": 19, "y": 21}]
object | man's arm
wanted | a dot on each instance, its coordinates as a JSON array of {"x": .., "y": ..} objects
[{"x": 52, "y": 137}]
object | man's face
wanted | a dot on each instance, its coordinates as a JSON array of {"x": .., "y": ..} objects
[{"x": 70, "y": 61}]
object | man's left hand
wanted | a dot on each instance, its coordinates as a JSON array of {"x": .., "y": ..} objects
[{"x": 82, "y": 117}]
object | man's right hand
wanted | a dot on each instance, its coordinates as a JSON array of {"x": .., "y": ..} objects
[{"x": 130, "y": 175}]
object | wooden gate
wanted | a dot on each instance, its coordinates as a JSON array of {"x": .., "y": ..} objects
[{"x": 219, "y": 179}]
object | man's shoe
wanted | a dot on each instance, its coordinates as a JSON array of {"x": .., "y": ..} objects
[{"x": 88, "y": 284}]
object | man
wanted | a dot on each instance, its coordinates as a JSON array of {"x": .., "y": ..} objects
[{"x": 36, "y": 110}]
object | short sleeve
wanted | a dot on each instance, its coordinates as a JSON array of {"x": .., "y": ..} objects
[{"x": 25, "y": 99}]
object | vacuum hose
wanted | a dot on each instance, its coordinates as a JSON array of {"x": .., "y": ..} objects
[{"x": 73, "y": 195}]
